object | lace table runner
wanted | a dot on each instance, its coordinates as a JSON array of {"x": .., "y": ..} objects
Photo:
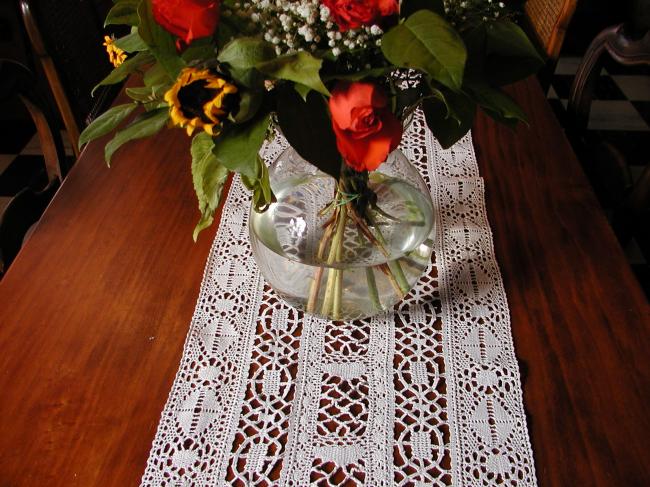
[{"x": 428, "y": 395}]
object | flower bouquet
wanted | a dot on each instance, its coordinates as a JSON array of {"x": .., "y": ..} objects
[{"x": 339, "y": 79}]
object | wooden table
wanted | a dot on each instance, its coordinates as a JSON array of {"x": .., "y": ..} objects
[{"x": 95, "y": 309}]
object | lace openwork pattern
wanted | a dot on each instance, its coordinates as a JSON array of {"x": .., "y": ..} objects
[{"x": 427, "y": 395}]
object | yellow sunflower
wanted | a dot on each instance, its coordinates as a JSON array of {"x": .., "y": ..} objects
[
  {"x": 200, "y": 99},
  {"x": 115, "y": 55}
]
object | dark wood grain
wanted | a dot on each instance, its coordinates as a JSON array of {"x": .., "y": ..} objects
[
  {"x": 95, "y": 309},
  {"x": 93, "y": 316},
  {"x": 580, "y": 320}
]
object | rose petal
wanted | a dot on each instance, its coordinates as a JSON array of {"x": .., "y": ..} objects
[{"x": 345, "y": 97}]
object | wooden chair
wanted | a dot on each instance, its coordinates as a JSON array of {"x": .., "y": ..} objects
[
  {"x": 622, "y": 48},
  {"x": 606, "y": 166},
  {"x": 26, "y": 207},
  {"x": 67, "y": 37},
  {"x": 548, "y": 21}
]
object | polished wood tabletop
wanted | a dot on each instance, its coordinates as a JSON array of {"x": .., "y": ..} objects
[{"x": 95, "y": 309}]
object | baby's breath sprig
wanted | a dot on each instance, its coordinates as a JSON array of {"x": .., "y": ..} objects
[
  {"x": 465, "y": 13},
  {"x": 292, "y": 26}
]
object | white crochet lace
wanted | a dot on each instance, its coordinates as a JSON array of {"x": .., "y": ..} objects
[{"x": 429, "y": 395}]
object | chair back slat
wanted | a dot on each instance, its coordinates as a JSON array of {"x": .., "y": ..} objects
[{"x": 549, "y": 20}]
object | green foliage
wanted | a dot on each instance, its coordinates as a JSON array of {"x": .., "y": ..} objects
[
  {"x": 158, "y": 80},
  {"x": 120, "y": 73},
  {"x": 147, "y": 124},
  {"x": 409, "y": 7},
  {"x": 124, "y": 12},
  {"x": 142, "y": 94},
  {"x": 237, "y": 149},
  {"x": 249, "y": 103},
  {"x": 462, "y": 69},
  {"x": 246, "y": 52},
  {"x": 209, "y": 177},
  {"x": 131, "y": 42},
  {"x": 500, "y": 53},
  {"x": 161, "y": 43},
  {"x": 106, "y": 123},
  {"x": 260, "y": 185},
  {"x": 308, "y": 128},
  {"x": 364, "y": 74},
  {"x": 497, "y": 104},
  {"x": 427, "y": 42},
  {"x": 200, "y": 50},
  {"x": 449, "y": 115},
  {"x": 301, "y": 67}
]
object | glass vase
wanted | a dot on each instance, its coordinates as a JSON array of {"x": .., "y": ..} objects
[{"x": 337, "y": 253}]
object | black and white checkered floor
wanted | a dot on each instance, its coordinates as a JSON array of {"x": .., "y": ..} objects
[
  {"x": 620, "y": 114},
  {"x": 21, "y": 158}
]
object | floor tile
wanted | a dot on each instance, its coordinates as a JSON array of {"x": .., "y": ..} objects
[
  {"x": 23, "y": 171},
  {"x": 33, "y": 147},
  {"x": 15, "y": 134},
  {"x": 5, "y": 160},
  {"x": 559, "y": 110},
  {"x": 643, "y": 107},
  {"x": 616, "y": 115},
  {"x": 607, "y": 89},
  {"x": 567, "y": 65},
  {"x": 562, "y": 85},
  {"x": 635, "y": 88},
  {"x": 634, "y": 145},
  {"x": 615, "y": 68}
]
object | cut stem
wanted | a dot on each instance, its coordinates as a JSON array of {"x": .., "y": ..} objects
[
  {"x": 335, "y": 254},
  {"x": 318, "y": 275},
  {"x": 372, "y": 288}
]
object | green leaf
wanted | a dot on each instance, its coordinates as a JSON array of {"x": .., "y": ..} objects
[
  {"x": 105, "y": 123},
  {"x": 124, "y": 12},
  {"x": 496, "y": 104},
  {"x": 510, "y": 54},
  {"x": 161, "y": 43},
  {"x": 500, "y": 52},
  {"x": 238, "y": 146},
  {"x": 249, "y": 103},
  {"x": 360, "y": 75},
  {"x": 158, "y": 80},
  {"x": 308, "y": 128},
  {"x": 301, "y": 68},
  {"x": 449, "y": 116},
  {"x": 131, "y": 42},
  {"x": 302, "y": 90},
  {"x": 246, "y": 52},
  {"x": 146, "y": 125},
  {"x": 125, "y": 69},
  {"x": 143, "y": 94},
  {"x": 209, "y": 177},
  {"x": 199, "y": 50},
  {"x": 250, "y": 78},
  {"x": 261, "y": 187},
  {"x": 409, "y": 7},
  {"x": 426, "y": 41}
]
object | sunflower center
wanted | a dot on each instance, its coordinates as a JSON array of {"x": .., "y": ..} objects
[{"x": 193, "y": 96}]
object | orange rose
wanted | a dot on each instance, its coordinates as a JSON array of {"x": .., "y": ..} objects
[
  {"x": 365, "y": 128},
  {"x": 187, "y": 19}
]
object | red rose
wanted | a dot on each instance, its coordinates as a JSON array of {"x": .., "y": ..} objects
[
  {"x": 366, "y": 130},
  {"x": 352, "y": 14},
  {"x": 187, "y": 19}
]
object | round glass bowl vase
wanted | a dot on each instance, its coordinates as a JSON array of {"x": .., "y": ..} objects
[{"x": 373, "y": 270}]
